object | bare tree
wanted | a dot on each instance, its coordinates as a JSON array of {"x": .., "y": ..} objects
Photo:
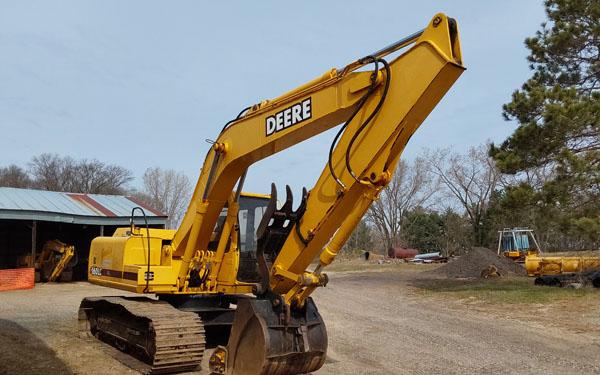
[
  {"x": 469, "y": 179},
  {"x": 56, "y": 173},
  {"x": 14, "y": 176},
  {"x": 412, "y": 186},
  {"x": 48, "y": 171},
  {"x": 168, "y": 191},
  {"x": 360, "y": 240},
  {"x": 96, "y": 177}
]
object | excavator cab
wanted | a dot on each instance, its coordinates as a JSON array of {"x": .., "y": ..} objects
[{"x": 517, "y": 243}]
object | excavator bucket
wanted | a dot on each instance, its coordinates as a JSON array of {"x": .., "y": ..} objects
[
  {"x": 267, "y": 340},
  {"x": 267, "y": 336}
]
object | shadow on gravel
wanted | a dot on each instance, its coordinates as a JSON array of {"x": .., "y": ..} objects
[{"x": 24, "y": 353}]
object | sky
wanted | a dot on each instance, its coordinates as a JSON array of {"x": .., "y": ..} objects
[{"x": 144, "y": 83}]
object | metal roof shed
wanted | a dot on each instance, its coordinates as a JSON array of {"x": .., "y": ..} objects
[
  {"x": 95, "y": 209},
  {"x": 30, "y": 217}
]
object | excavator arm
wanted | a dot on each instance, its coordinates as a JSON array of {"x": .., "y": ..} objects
[
  {"x": 378, "y": 102},
  {"x": 367, "y": 154},
  {"x": 385, "y": 105}
]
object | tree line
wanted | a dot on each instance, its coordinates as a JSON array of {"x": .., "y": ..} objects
[
  {"x": 439, "y": 202},
  {"x": 545, "y": 176}
]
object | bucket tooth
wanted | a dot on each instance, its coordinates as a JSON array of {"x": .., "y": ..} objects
[
  {"x": 302, "y": 207},
  {"x": 268, "y": 215},
  {"x": 289, "y": 200}
]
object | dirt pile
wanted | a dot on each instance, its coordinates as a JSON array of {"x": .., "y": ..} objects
[{"x": 477, "y": 259}]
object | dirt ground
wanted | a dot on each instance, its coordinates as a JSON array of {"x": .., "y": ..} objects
[{"x": 378, "y": 322}]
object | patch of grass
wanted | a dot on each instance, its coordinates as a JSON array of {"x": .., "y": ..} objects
[{"x": 505, "y": 290}]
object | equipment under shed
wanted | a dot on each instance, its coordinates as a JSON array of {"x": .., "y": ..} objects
[{"x": 29, "y": 218}]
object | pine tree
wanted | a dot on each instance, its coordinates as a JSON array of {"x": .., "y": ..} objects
[{"x": 558, "y": 115}]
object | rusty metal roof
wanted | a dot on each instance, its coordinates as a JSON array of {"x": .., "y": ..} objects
[{"x": 98, "y": 209}]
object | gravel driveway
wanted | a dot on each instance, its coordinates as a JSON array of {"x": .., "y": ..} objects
[{"x": 377, "y": 324}]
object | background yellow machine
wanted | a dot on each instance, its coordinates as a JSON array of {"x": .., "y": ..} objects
[
  {"x": 517, "y": 243},
  {"x": 237, "y": 273},
  {"x": 520, "y": 244},
  {"x": 55, "y": 261}
]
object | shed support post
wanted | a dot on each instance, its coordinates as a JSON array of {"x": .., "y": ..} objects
[
  {"x": 33, "y": 241},
  {"x": 101, "y": 230}
]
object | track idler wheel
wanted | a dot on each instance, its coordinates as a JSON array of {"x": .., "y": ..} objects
[{"x": 261, "y": 343}]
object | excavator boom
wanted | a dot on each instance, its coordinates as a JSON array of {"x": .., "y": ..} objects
[{"x": 240, "y": 261}]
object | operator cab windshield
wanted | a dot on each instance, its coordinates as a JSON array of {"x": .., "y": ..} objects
[
  {"x": 252, "y": 209},
  {"x": 518, "y": 240},
  {"x": 251, "y": 212}
]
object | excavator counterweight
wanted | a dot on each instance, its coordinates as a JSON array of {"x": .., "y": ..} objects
[{"x": 237, "y": 272}]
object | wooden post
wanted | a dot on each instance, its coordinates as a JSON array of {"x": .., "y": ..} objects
[
  {"x": 101, "y": 230},
  {"x": 33, "y": 241}
]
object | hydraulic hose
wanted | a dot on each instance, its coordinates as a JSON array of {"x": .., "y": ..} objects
[
  {"x": 361, "y": 103},
  {"x": 235, "y": 119},
  {"x": 372, "y": 115},
  {"x": 148, "y": 237}
]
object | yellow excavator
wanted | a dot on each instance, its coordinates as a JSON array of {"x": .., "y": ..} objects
[
  {"x": 236, "y": 275},
  {"x": 54, "y": 260},
  {"x": 53, "y": 263}
]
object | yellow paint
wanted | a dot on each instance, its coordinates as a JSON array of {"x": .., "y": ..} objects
[
  {"x": 540, "y": 265},
  {"x": 419, "y": 78},
  {"x": 255, "y": 195},
  {"x": 49, "y": 251}
]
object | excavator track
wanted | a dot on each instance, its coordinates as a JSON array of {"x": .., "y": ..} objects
[{"x": 166, "y": 339}]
